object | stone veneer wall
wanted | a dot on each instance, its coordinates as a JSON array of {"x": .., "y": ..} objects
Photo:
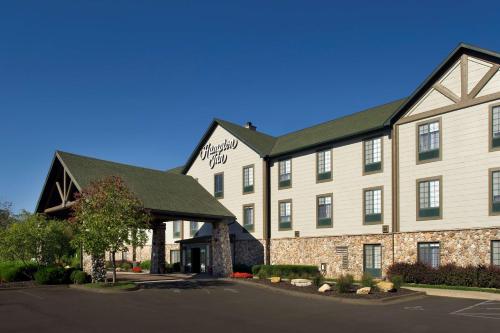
[
  {"x": 249, "y": 252},
  {"x": 317, "y": 250},
  {"x": 460, "y": 247}
]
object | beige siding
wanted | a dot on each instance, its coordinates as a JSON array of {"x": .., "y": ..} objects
[
  {"x": 234, "y": 199},
  {"x": 464, "y": 168},
  {"x": 493, "y": 86},
  {"x": 451, "y": 79},
  {"x": 433, "y": 99},
  {"x": 347, "y": 186},
  {"x": 476, "y": 70}
]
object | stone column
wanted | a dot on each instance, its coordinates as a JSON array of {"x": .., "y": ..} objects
[
  {"x": 158, "y": 249},
  {"x": 222, "y": 263}
]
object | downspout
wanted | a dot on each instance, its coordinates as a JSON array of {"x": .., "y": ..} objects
[{"x": 267, "y": 210}]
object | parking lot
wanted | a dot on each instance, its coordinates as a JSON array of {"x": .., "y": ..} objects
[{"x": 224, "y": 306}]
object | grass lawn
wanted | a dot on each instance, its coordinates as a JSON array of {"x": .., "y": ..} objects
[
  {"x": 440, "y": 286},
  {"x": 116, "y": 286}
]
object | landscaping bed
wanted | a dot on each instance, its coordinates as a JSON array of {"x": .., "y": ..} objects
[{"x": 312, "y": 289}]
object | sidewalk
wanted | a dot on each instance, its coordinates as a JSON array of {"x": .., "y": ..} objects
[{"x": 458, "y": 293}]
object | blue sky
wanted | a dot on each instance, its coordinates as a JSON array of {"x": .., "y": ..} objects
[{"x": 138, "y": 82}]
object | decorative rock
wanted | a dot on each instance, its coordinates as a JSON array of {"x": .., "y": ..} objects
[
  {"x": 325, "y": 287},
  {"x": 385, "y": 286},
  {"x": 363, "y": 291},
  {"x": 301, "y": 282},
  {"x": 275, "y": 279}
]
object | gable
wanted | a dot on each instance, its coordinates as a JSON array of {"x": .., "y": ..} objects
[
  {"x": 467, "y": 77},
  {"x": 220, "y": 149}
]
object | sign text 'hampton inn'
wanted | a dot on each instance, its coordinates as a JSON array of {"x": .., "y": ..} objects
[{"x": 216, "y": 153}]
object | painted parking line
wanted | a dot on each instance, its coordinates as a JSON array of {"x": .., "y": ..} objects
[
  {"x": 486, "y": 309},
  {"x": 234, "y": 291}
]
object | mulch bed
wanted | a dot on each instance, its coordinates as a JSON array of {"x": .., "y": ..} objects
[{"x": 312, "y": 289}]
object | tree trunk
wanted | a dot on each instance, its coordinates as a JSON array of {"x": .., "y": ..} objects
[
  {"x": 113, "y": 263},
  {"x": 134, "y": 254},
  {"x": 98, "y": 268}
]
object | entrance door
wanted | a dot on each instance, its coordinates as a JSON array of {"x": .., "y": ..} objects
[
  {"x": 195, "y": 260},
  {"x": 373, "y": 259}
]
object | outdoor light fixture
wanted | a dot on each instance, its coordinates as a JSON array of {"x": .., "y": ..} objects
[{"x": 323, "y": 267}]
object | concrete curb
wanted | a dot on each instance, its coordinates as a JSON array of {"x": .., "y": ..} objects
[
  {"x": 51, "y": 286},
  {"x": 481, "y": 295},
  {"x": 383, "y": 301},
  {"x": 103, "y": 290}
]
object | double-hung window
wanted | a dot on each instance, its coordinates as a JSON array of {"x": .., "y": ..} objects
[
  {"x": 495, "y": 253},
  {"x": 248, "y": 217},
  {"x": 285, "y": 173},
  {"x": 372, "y": 205},
  {"x": 428, "y": 254},
  {"x": 219, "y": 185},
  {"x": 177, "y": 226},
  {"x": 495, "y": 192},
  {"x": 285, "y": 215},
  {"x": 372, "y": 155},
  {"x": 324, "y": 165},
  {"x": 495, "y": 128},
  {"x": 429, "y": 141},
  {"x": 248, "y": 179},
  {"x": 429, "y": 198},
  {"x": 175, "y": 256},
  {"x": 193, "y": 228},
  {"x": 324, "y": 210}
]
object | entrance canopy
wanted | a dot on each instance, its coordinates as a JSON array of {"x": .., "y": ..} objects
[{"x": 169, "y": 196}]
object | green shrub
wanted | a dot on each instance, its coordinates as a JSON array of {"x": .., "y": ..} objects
[
  {"x": 397, "y": 280},
  {"x": 367, "y": 280},
  {"x": 50, "y": 275},
  {"x": 450, "y": 274},
  {"x": 318, "y": 280},
  {"x": 126, "y": 266},
  {"x": 12, "y": 271},
  {"x": 256, "y": 269},
  {"x": 79, "y": 277},
  {"x": 286, "y": 271},
  {"x": 344, "y": 283},
  {"x": 146, "y": 264}
]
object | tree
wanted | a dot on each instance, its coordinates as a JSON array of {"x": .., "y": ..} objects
[
  {"x": 107, "y": 217},
  {"x": 5, "y": 214},
  {"x": 32, "y": 237}
]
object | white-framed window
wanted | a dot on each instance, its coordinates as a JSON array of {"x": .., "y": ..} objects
[
  {"x": 248, "y": 179},
  {"x": 285, "y": 215},
  {"x": 373, "y": 205},
  {"x": 429, "y": 141},
  {"x": 429, "y": 253},
  {"x": 324, "y": 165},
  {"x": 175, "y": 256},
  {"x": 219, "y": 185},
  {"x": 285, "y": 173},
  {"x": 429, "y": 198},
  {"x": 495, "y": 126},
  {"x": 495, "y": 191},
  {"x": 495, "y": 253},
  {"x": 193, "y": 228},
  {"x": 177, "y": 229},
  {"x": 373, "y": 155},
  {"x": 248, "y": 217},
  {"x": 324, "y": 207}
]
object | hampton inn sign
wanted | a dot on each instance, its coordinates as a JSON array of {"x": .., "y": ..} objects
[{"x": 216, "y": 154}]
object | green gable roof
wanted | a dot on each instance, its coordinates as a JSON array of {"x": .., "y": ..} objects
[
  {"x": 258, "y": 141},
  {"x": 177, "y": 170},
  {"x": 345, "y": 127},
  {"x": 158, "y": 190}
]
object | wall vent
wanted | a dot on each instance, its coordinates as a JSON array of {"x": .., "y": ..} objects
[{"x": 385, "y": 229}]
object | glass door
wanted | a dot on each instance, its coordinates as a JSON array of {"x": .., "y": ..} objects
[{"x": 373, "y": 259}]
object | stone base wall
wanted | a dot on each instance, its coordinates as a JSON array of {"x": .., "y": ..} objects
[
  {"x": 317, "y": 250},
  {"x": 249, "y": 252},
  {"x": 460, "y": 247}
]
